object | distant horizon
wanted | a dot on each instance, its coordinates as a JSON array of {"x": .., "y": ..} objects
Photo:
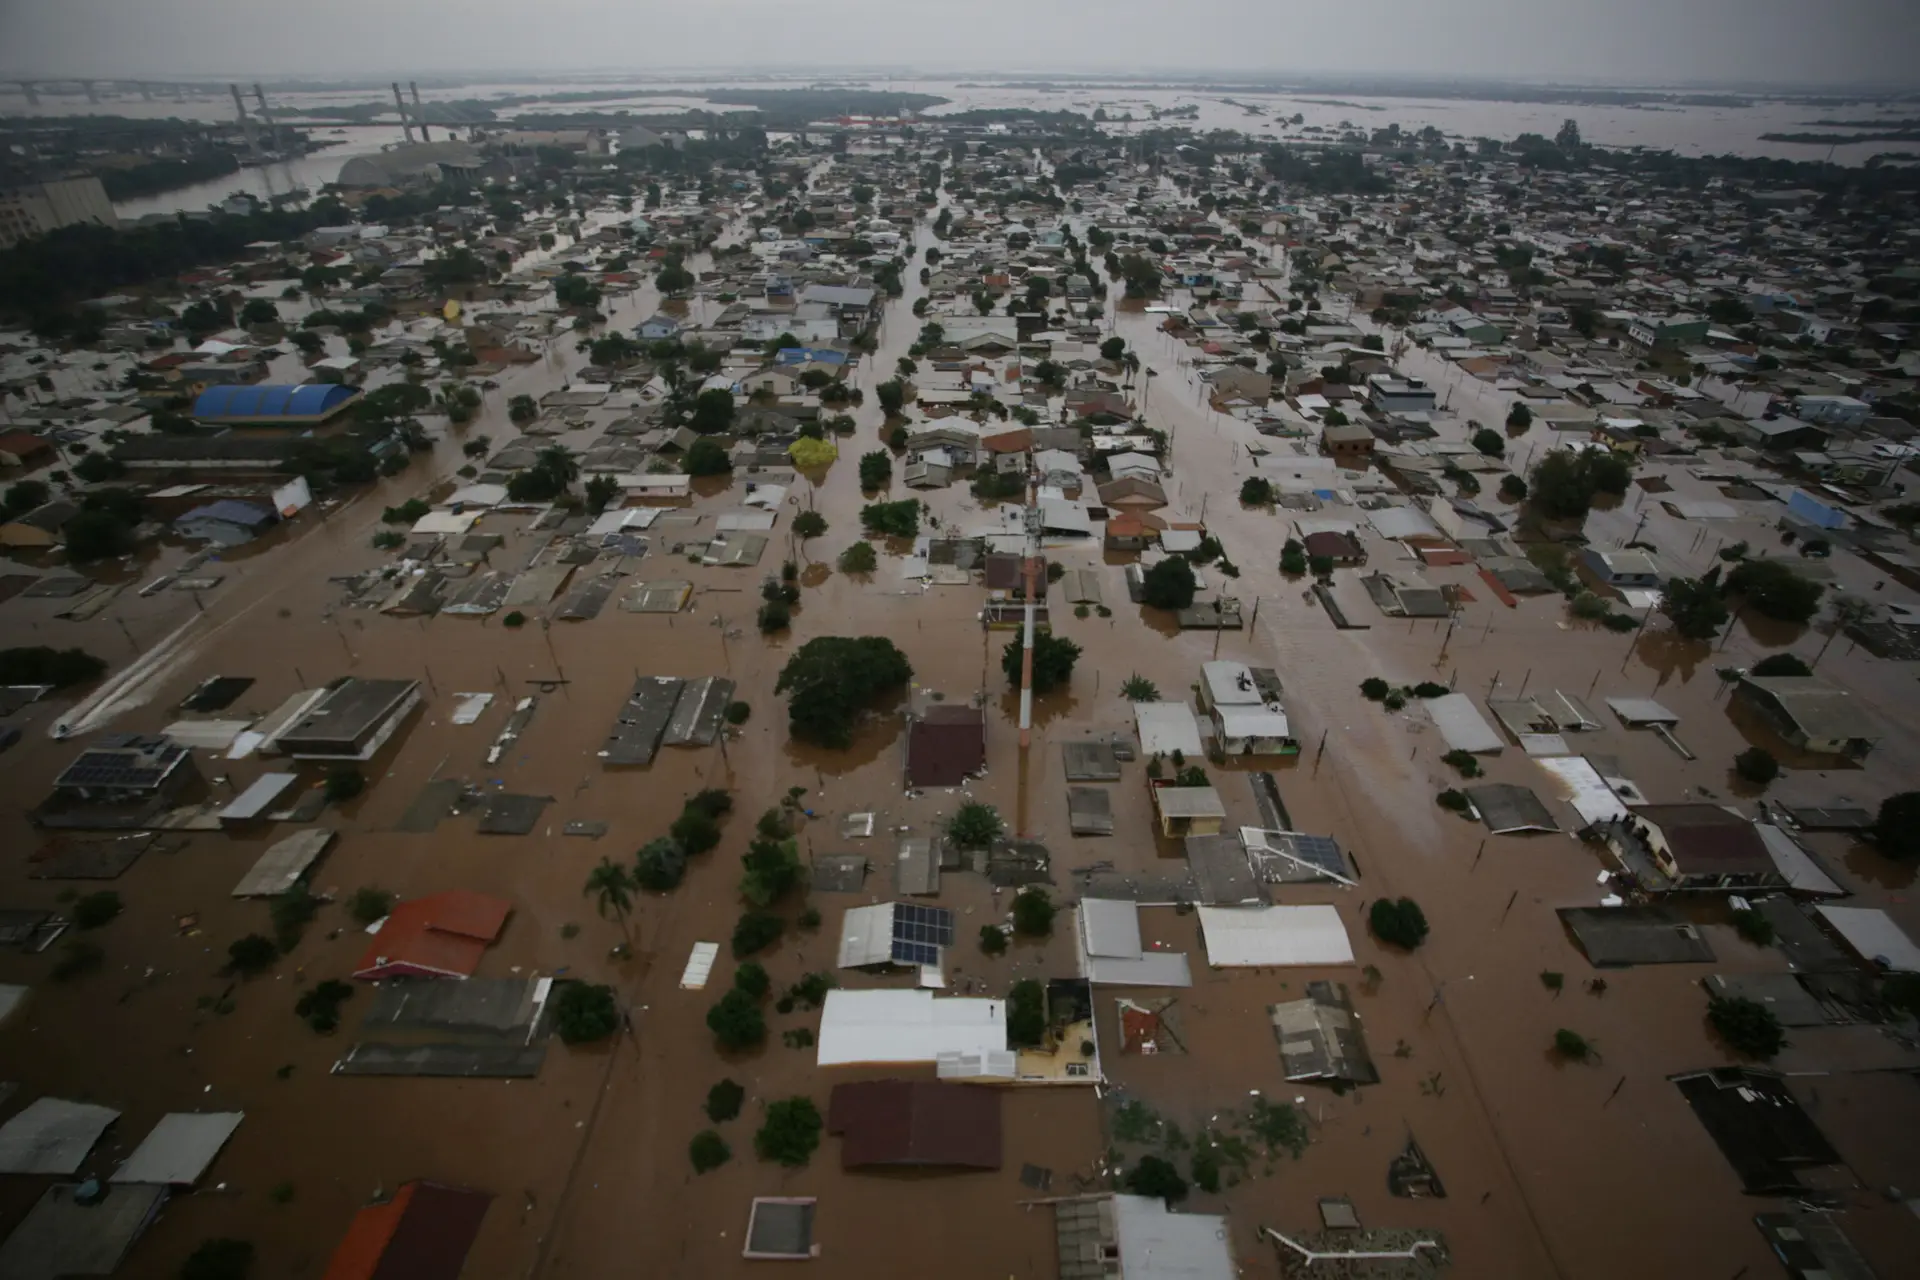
[{"x": 1323, "y": 79}]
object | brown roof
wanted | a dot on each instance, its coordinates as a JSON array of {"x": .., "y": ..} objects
[
  {"x": 946, "y": 745},
  {"x": 1006, "y": 572},
  {"x": 920, "y": 1122},
  {"x": 1008, "y": 441},
  {"x": 1707, "y": 840},
  {"x": 1335, "y": 546}
]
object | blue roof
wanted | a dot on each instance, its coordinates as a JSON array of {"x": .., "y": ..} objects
[
  {"x": 314, "y": 400},
  {"x": 817, "y": 355},
  {"x": 230, "y": 511}
]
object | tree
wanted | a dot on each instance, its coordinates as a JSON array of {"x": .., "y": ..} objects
[
  {"x": 1158, "y": 1179},
  {"x": 601, "y": 491},
  {"x": 584, "y": 1012},
  {"x": 369, "y": 903},
  {"x": 252, "y": 954},
  {"x": 1113, "y": 348},
  {"x": 809, "y": 524},
  {"x": 790, "y": 1132},
  {"x": 1896, "y": 828},
  {"x": 1053, "y": 659},
  {"x": 1520, "y": 417},
  {"x": 755, "y": 932},
  {"x": 1774, "y": 590},
  {"x": 611, "y": 886},
  {"x": 892, "y": 519},
  {"x": 723, "y": 1101},
  {"x": 695, "y": 830},
  {"x": 24, "y": 497},
  {"x": 1169, "y": 584},
  {"x": 831, "y": 679},
  {"x": 1398, "y": 921},
  {"x": 1568, "y": 139},
  {"x": 219, "y": 1258},
  {"x": 1033, "y": 913},
  {"x": 1027, "y": 1014},
  {"x": 1572, "y": 1046},
  {"x": 974, "y": 825},
  {"x": 859, "y": 558},
  {"x": 876, "y": 469},
  {"x": 712, "y": 411},
  {"x": 993, "y": 940},
  {"x": 892, "y": 395},
  {"x": 736, "y": 1022},
  {"x": 708, "y": 1151},
  {"x": 259, "y": 311},
  {"x": 772, "y": 869},
  {"x": 1757, "y": 765},
  {"x": 1694, "y": 607},
  {"x": 1560, "y": 487},
  {"x": 522, "y": 409},
  {"x": 707, "y": 457},
  {"x": 660, "y": 865},
  {"x": 1256, "y": 491},
  {"x": 1490, "y": 442},
  {"x": 1513, "y": 488},
  {"x": 1748, "y": 1027}
]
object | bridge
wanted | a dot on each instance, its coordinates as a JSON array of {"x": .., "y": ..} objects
[{"x": 96, "y": 88}]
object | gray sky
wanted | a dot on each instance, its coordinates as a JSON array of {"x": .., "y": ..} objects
[{"x": 1824, "y": 42}]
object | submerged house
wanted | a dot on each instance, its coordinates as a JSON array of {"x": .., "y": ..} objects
[
  {"x": 1694, "y": 847},
  {"x": 1244, "y": 704},
  {"x": 1811, "y": 714}
]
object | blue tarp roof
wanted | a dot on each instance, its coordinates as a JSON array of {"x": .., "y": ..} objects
[{"x": 313, "y": 400}]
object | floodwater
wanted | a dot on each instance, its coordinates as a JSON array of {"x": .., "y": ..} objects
[{"x": 1552, "y": 1169}]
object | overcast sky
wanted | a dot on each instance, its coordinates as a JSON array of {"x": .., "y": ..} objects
[{"x": 1823, "y": 42}]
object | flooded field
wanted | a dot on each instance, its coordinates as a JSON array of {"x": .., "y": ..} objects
[{"x": 1552, "y": 1168}]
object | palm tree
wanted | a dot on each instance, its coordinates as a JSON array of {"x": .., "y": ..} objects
[
  {"x": 1848, "y": 611},
  {"x": 611, "y": 887}
]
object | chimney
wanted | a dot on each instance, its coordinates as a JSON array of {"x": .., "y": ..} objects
[
  {"x": 418, "y": 114},
  {"x": 406, "y": 127}
]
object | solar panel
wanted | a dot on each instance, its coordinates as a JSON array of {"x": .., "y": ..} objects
[{"x": 919, "y": 933}]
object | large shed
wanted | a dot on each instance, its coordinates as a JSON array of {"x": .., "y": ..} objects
[{"x": 268, "y": 405}]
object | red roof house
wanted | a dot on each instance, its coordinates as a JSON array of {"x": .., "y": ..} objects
[
  {"x": 915, "y": 1122},
  {"x": 423, "y": 1233},
  {"x": 441, "y": 936}
]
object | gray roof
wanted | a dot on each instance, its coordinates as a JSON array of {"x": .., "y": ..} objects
[
  {"x": 284, "y": 862},
  {"x": 1320, "y": 1037},
  {"x": 60, "y": 1237},
  {"x": 180, "y": 1148},
  {"x": 52, "y": 1135},
  {"x": 1619, "y": 936},
  {"x": 1819, "y": 709},
  {"x": 1508, "y": 807}
]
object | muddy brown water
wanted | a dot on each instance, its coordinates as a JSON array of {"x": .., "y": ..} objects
[{"x": 1548, "y": 1175}]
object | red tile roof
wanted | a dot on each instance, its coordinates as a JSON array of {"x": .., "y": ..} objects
[{"x": 443, "y": 935}]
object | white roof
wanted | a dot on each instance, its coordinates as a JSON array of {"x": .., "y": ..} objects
[
  {"x": 671, "y": 483},
  {"x": 1158, "y": 1244},
  {"x": 1058, "y": 513},
  {"x": 445, "y": 522},
  {"x": 478, "y": 495},
  {"x": 180, "y": 1148},
  {"x": 1462, "y": 725},
  {"x": 1801, "y": 871},
  {"x": 1401, "y": 522},
  {"x": 1240, "y": 936},
  {"x": 908, "y": 1026},
  {"x": 1641, "y": 711},
  {"x": 1873, "y": 934},
  {"x": 1167, "y": 727},
  {"x": 1180, "y": 540},
  {"x": 622, "y": 519},
  {"x": 1253, "y": 722},
  {"x": 52, "y": 1136},
  {"x": 1111, "y": 952},
  {"x": 206, "y": 735},
  {"x": 699, "y": 966},
  {"x": 866, "y": 936},
  {"x": 253, "y": 802},
  {"x": 1587, "y": 791},
  {"x": 1229, "y": 683},
  {"x": 766, "y": 496}
]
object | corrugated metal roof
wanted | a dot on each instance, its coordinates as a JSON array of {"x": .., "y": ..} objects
[
  {"x": 266, "y": 400},
  {"x": 180, "y": 1148}
]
